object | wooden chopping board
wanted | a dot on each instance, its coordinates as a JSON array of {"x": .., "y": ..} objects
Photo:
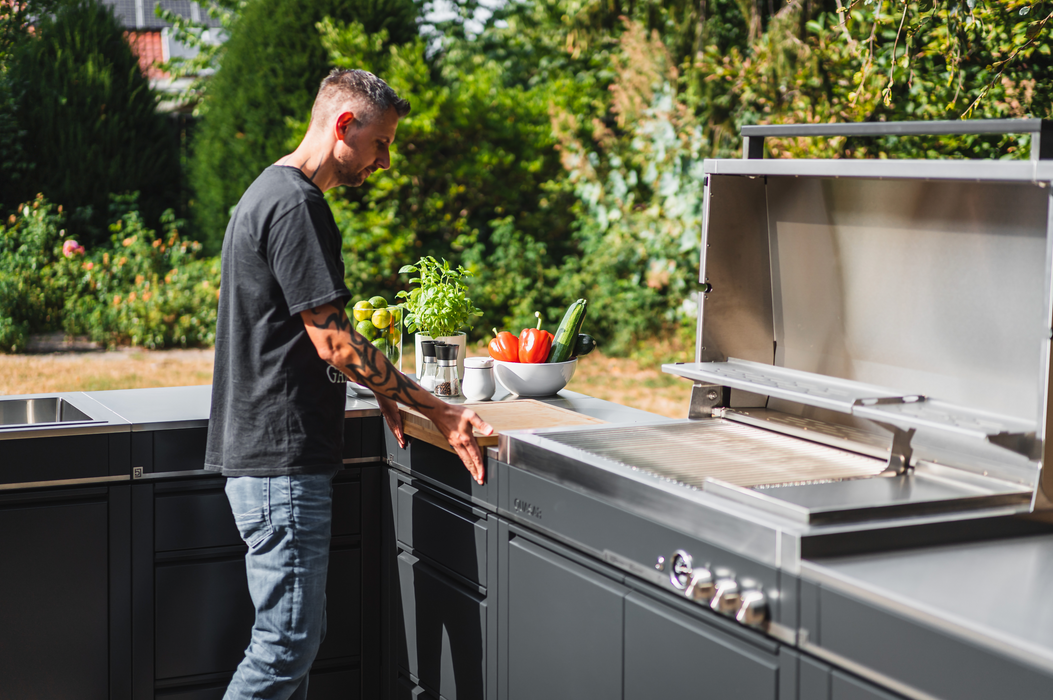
[{"x": 520, "y": 414}]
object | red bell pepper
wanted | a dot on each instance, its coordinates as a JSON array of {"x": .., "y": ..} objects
[
  {"x": 534, "y": 343},
  {"x": 504, "y": 347}
]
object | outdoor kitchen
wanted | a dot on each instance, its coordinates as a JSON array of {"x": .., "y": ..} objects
[{"x": 855, "y": 507}]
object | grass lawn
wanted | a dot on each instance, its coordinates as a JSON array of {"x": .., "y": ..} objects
[{"x": 636, "y": 383}]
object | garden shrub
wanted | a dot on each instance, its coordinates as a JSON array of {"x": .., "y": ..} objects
[
  {"x": 140, "y": 289},
  {"x": 89, "y": 119}
]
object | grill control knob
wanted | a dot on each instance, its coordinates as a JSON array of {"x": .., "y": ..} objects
[
  {"x": 680, "y": 569},
  {"x": 701, "y": 588},
  {"x": 753, "y": 610},
  {"x": 727, "y": 598}
]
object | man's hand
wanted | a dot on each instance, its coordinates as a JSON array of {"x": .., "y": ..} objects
[
  {"x": 338, "y": 344},
  {"x": 390, "y": 410},
  {"x": 457, "y": 424}
]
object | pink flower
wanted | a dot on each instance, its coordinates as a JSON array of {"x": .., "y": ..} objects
[{"x": 71, "y": 248}]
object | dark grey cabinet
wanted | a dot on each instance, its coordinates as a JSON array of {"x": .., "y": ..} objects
[
  {"x": 440, "y": 609},
  {"x": 192, "y": 611},
  {"x": 662, "y": 641},
  {"x": 64, "y": 594},
  {"x": 564, "y": 627}
]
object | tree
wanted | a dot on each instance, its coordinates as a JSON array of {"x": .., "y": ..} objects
[
  {"x": 268, "y": 75},
  {"x": 89, "y": 119}
]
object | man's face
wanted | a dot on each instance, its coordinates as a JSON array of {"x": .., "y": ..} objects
[{"x": 364, "y": 149}]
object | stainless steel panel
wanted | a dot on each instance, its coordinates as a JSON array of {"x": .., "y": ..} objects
[
  {"x": 736, "y": 315},
  {"x": 931, "y": 288},
  {"x": 718, "y": 521},
  {"x": 880, "y": 497}
]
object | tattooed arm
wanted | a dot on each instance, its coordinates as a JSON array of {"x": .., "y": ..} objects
[{"x": 341, "y": 346}]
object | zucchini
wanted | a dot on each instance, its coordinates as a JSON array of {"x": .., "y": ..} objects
[
  {"x": 567, "y": 333},
  {"x": 583, "y": 345}
]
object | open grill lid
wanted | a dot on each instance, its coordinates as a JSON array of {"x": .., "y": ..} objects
[{"x": 907, "y": 298}]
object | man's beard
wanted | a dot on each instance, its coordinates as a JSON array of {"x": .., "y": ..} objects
[{"x": 350, "y": 178}]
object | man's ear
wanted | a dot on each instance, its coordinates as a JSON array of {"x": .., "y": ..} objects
[{"x": 343, "y": 123}]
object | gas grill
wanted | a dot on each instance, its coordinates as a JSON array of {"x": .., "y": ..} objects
[{"x": 872, "y": 370}]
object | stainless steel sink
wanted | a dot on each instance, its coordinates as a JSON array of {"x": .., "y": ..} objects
[{"x": 23, "y": 412}]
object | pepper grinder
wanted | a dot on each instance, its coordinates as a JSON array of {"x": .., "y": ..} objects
[
  {"x": 447, "y": 383},
  {"x": 428, "y": 367}
]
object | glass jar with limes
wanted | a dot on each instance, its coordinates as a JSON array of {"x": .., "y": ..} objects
[{"x": 381, "y": 324}]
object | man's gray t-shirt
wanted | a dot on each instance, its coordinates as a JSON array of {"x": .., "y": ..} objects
[{"x": 277, "y": 407}]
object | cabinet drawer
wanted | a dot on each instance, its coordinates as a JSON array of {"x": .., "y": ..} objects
[
  {"x": 196, "y": 515},
  {"x": 179, "y": 450},
  {"x": 442, "y": 631},
  {"x": 203, "y": 617},
  {"x": 193, "y": 516},
  {"x": 439, "y": 528}
]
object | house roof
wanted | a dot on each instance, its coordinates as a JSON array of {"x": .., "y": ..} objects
[{"x": 140, "y": 15}]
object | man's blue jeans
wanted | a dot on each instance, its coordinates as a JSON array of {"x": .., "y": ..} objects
[{"x": 286, "y": 522}]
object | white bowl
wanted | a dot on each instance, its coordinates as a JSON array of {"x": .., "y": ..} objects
[{"x": 534, "y": 379}]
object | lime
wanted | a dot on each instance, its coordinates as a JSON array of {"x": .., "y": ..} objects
[
  {"x": 363, "y": 310},
  {"x": 394, "y": 352},
  {"x": 367, "y": 329},
  {"x": 381, "y": 318},
  {"x": 378, "y": 302},
  {"x": 381, "y": 345}
]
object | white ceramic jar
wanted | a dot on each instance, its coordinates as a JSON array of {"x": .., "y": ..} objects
[{"x": 478, "y": 382}]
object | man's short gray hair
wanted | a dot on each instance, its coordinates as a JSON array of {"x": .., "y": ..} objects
[{"x": 373, "y": 95}]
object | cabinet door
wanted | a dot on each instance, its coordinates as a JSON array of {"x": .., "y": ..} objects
[
  {"x": 54, "y": 600},
  {"x": 443, "y": 631},
  {"x": 670, "y": 654},
  {"x": 564, "y": 633}
]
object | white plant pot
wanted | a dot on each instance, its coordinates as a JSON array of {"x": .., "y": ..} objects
[{"x": 460, "y": 340}]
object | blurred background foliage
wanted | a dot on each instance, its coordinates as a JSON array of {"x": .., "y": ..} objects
[{"x": 555, "y": 147}]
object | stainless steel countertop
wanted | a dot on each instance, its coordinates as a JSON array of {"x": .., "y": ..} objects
[
  {"x": 170, "y": 408},
  {"x": 161, "y": 408},
  {"x": 995, "y": 593}
]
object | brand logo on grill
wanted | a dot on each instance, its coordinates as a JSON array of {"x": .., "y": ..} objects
[{"x": 530, "y": 509}]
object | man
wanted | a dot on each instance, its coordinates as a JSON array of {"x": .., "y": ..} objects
[{"x": 276, "y": 428}]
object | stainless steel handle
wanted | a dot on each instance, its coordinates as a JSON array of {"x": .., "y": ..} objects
[{"x": 1042, "y": 130}]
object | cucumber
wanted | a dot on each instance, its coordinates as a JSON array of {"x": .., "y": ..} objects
[
  {"x": 567, "y": 333},
  {"x": 584, "y": 345}
]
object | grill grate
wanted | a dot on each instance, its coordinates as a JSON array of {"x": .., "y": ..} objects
[{"x": 689, "y": 453}]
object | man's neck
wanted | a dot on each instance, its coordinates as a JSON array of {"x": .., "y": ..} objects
[{"x": 311, "y": 161}]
